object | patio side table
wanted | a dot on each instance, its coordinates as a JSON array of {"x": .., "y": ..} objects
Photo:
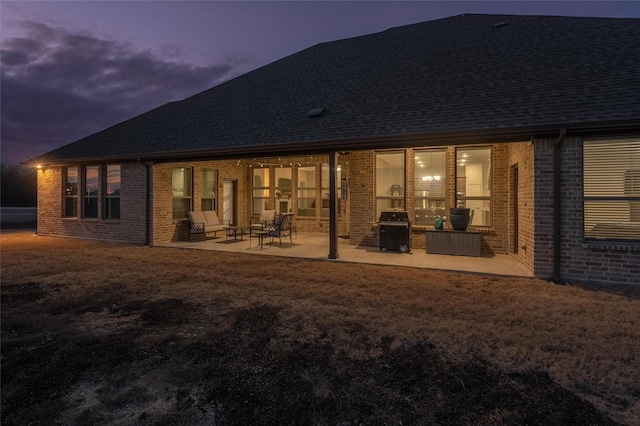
[{"x": 260, "y": 235}]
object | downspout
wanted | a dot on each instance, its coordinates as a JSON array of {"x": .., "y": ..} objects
[
  {"x": 557, "y": 207},
  {"x": 147, "y": 227}
]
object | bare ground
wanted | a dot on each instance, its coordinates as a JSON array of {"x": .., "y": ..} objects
[{"x": 99, "y": 333}]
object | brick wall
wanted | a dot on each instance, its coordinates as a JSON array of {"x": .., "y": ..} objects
[
  {"x": 129, "y": 228},
  {"x": 165, "y": 228},
  {"x": 580, "y": 261},
  {"x": 521, "y": 155},
  {"x": 363, "y": 230}
]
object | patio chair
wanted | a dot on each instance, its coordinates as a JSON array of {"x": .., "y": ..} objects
[
  {"x": 281, "y": 228},
  {"x": 205, "y": 222},
  {"x": 267, "y": 217}
]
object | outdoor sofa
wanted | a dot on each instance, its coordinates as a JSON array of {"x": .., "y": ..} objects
[{"x": 205, "y": 222}]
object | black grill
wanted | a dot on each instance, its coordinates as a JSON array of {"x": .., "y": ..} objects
[{"x": 395, "y": 231}]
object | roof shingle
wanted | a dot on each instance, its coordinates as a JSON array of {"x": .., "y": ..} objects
[{"x": 462, "y": 73}]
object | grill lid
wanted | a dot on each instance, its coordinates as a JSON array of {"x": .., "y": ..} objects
[{"x": 394, "y": 216}]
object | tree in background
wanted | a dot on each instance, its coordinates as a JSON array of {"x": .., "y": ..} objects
[{"x": 18, "y": 186}]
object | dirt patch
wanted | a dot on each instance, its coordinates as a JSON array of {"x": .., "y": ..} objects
[{"x": 249, "y": 374}]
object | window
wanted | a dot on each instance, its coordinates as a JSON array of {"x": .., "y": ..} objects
[
  {"x": 612, "y": 189},
  {"x": 389, "y": 181},
  {"x": 260, "y": 200},
  {"x": 430, "y": 166},
  {"x": 474, "y": 183},
  {"x": 91, "y": 189},
  {"x": 283, "y": 189},
  {"x": 71, "y": 192},
  {"x": 112, "y": 192},
  {"x": 181, "y": 184},
  {"x": 307, "y": 191},
  {"x": 325, "y": 188},
  {"x": 208, "y": 195}
]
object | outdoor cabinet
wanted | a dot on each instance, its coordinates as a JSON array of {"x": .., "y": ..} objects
[{"x": 461, "y": 243}]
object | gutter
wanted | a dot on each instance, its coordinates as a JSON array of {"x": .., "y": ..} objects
[
  {"x": 557, "y": 204},
  {"x": 147, "y": 207}
]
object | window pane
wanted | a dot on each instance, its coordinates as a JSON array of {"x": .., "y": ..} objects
[
  {"x": 181, "y": 207},
  {"x": 261, "y": 177},
  {"x": 260, "y": 204},
  {"x": 207, "y": 204},
  {"x": 112, "y": 208},
  {"x": 112, "y": 192},
  {"x": 91, "y": 191},
  {"x": 91, "y": 207},
  {"x": 209, "y": 178},
  {"x": 612, "y": 189},
  {"x": 474, "y": 183},
  {"x": 610, "y": 220},
  {"x": 113, "y": 180},
  {"x": 390, "y": 174},
  {"x": 260, "y": 200},
  {"x": 390, "y": 178},
  {"x": 283, "y": 189},
  {"x": 71, "y": 207},
  {"x": 325, "y": 185},
  {"x": 72, "y": 181},
  {"x": 307, "y": 191},
  {"x": 71, "y": 192},
  {"x": 430, "y": 185},
  {"x": 181, "y": 182},
  {"x": 91, "y": 182}
]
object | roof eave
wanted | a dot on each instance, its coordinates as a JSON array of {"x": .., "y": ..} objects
[{"x": 494, "y": 135}]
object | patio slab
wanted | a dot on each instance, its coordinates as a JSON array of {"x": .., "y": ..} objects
[{"x": 316, "y": 246}]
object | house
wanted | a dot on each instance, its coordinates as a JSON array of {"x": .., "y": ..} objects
[{"x": 532, "y": 122}]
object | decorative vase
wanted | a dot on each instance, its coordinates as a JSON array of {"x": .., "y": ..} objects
[
  {"x": 459, "y": 218},
  {"x": 439, "y": 223}
]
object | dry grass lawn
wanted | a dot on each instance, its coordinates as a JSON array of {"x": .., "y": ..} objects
[{"x": 105, "y": 333}]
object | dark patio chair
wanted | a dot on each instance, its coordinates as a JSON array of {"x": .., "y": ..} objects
[{"x": 281, "y": 228}]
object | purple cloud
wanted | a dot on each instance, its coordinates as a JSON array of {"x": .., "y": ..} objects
[{"x": 59, "y": 85}]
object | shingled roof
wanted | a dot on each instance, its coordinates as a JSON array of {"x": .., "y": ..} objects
[{"x": 466, "y": 76}]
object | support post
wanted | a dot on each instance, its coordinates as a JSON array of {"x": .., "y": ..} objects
[{"x": 333, "y": 205}]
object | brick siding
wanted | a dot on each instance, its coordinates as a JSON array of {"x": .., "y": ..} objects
[
  {"x": 131, "y": 227},
  {"x": 580, "y": 261},
  {"x": 363, "y": 228}
]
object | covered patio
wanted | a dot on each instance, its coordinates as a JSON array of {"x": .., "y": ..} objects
[{"x": 316, "y": 246}]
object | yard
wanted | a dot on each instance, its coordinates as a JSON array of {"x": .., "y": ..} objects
[{"x": 104, "y": 333}]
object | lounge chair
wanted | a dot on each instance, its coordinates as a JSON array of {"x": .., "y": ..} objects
[
  {"x": 267, "y": 217},
  {"x": 281, "y": 228},
  {"x": 205, "y": 222}
]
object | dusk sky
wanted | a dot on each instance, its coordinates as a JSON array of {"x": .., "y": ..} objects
[{"x": 72, "y": 68}]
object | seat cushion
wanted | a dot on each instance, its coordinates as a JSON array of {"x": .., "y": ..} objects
[
  {"x": 196, "y": 220},
  {"x": 211, "y": 217},
  {"x": 267, "y": 216}
]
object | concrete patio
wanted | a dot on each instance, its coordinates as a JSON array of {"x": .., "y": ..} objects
[{"x": 316, "y": 246}]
